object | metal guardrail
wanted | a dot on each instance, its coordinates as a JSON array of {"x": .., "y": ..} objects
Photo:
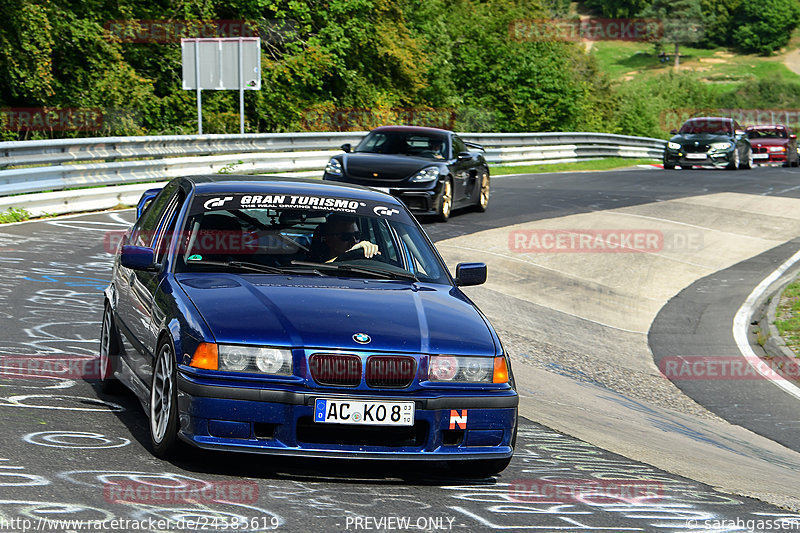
[{"x": 33, "y": 169}]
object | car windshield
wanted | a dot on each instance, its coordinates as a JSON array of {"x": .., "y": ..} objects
[
  {"x": 404, "y": 143},
  {"x": 321, "y": 236},
  {"x": 767, "y": 133},
  {"x": 716, "y": 126}
]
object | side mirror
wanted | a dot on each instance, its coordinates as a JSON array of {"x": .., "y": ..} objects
[
  {"x": 673, "y": 132},
  {"x": 137, "y": 257},
  {"x": 347, "y": 147},
  {"x": 144, "y": 201},
  {"x": 464, "y": 156},
  {"x": 793, "y": 136},
  {"x": 470, "y": 274}
]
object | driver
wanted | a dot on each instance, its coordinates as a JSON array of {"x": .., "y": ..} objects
[
  {"x": 339, "y": 234},
  {"x": 436, "y": 146}
]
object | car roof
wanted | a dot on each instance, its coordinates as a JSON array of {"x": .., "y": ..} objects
[
  {"x": 767, "y": 127},
  {"x": 412, "y": 129},
  {"x": 721, "y": 119},
  {"x": 222, "y": 183}
]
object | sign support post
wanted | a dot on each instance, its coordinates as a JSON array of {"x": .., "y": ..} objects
[
  {"x": 199, "y": 90},
  {"x": 221, "y": 64}
]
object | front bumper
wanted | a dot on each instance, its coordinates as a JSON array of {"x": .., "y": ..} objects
[
  {"x": 712, "y": 158},
  {"x": 421, "y": 200},
  {"x": 279, "y": 421},
  {"x": 770, "y": 159}
]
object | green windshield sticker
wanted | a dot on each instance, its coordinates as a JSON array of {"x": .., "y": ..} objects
[{"x": 195, "y": 257}]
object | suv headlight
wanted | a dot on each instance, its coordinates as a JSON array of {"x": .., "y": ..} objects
[
  {"x": 777, "y": 148},
  {"x": 255, "y": 359},
  {"x": 462, "y": 369},
  {"x": 673, "y": 146},
  {"x": 334, "y": 167},
  {"x": 721, "y": 146},
  {"x": 425, "y": 175}
]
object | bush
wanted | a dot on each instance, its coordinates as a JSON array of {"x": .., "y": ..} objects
[{"x": 765, "y": 26}]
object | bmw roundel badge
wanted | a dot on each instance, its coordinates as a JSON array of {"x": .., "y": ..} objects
[{"x": 362, "y": 338}]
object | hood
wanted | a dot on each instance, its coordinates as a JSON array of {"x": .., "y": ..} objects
[
  {"x": 388, "y": 167},
  {"x": 315, "y": 312},
  {"x": 703, "y": 138},
  {"x": 769, "y": 141}
]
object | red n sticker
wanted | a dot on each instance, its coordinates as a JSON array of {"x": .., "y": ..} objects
[{"x": 458, "y": 420}]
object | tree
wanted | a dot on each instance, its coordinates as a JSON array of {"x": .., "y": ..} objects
[
  {"x": 617, "y": 8},
  {"x": 765, "y": 26},
  {"x": 681, "y": 22}
]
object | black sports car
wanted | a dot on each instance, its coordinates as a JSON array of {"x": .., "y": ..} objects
[
  {"x": 717, "y": 142},
  {"x": 432, "y": 171}
]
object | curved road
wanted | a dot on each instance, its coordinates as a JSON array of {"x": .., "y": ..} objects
[{"x": 64, "y": 441}]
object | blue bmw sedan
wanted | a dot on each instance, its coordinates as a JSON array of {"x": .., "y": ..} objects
[{"x": 306, "y": 318}]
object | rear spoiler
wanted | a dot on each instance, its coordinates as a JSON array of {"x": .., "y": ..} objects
[{"x": 475, "y": 145}]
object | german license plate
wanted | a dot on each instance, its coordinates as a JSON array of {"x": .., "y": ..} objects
[
  {"x": 695, "y": 156},
  {"x": 760, "y": 156},
  {"x": 371, "y": 413}
]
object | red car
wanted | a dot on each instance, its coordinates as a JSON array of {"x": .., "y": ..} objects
[{"x": 773, "y": 143}]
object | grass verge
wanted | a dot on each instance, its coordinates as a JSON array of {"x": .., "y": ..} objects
[
  {"x": 599, "y": 164},
  {"x": 787, "y": 316},
  {"x": 15, "y": 214}
]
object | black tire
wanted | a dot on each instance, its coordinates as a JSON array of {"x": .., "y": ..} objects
[
  {"x": 667, "y": 166},
  {"x": 163, "y": 412},
  {"x": 483, "y": 193},
  {"x": 748, "y": 162},
  {"x": 109, "y": 353},
  {"x": 445, "y": 202},
  {"x": 733, "y": 164}
]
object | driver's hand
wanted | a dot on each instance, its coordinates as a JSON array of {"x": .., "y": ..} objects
[{"x": 369, "y": 248}]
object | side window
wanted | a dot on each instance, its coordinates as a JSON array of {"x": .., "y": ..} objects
[
  {"x": 144, "y": 231},
  {"x": 458, "y": 146},
  {"x": 167, "y": 226}
]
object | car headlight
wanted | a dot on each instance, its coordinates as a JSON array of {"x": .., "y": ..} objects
[
  {"x": 460, "y": 369},
  {"x": 425, "y": 175},
  {"x": 253, "y": 359},
  {"x": 673, "y": 146},
  {"x": 721, "y": 146},
  {"x": 334, "y": 167},
  {"x": 777, "y": 148}
]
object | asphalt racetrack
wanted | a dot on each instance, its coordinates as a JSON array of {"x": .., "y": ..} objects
[{"x": 606, "y": 442}]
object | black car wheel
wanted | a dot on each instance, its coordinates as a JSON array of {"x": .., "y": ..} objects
[
  {"x": 445, "y": 202},
  {"x": 667, "y": 166},
  {"x": 164, "y": 403},
  {"x": 483, "y": 197},
  {"x": 109, "y": 352},
  {"x": 748, "y": 162},
  {"x": 734, "y": 162}
]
